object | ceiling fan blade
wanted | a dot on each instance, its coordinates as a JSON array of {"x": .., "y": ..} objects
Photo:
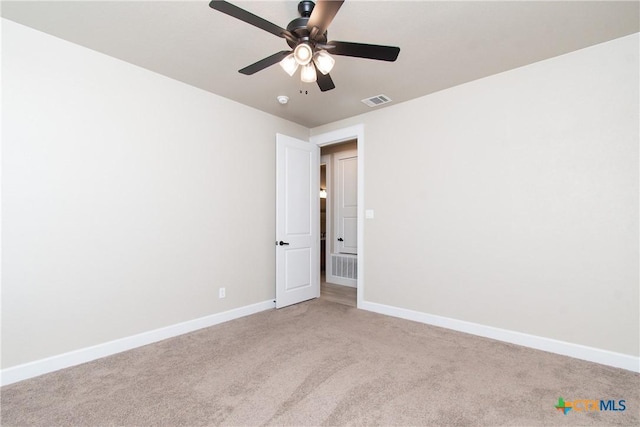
[
  {"x": 361, "y": 50},
  {"x": 248, "y": 17},
  {"x": 323, "y": 13},
  {"x": 264, "y": 63},
  {"x": 325, "y": 82}
]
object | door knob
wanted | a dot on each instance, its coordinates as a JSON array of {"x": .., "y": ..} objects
[
  {"x": 281, "y": 243},
  {"x": 340, "y": 239}
]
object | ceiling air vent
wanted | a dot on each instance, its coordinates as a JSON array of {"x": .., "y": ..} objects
[{"x": 377, "y": 100}]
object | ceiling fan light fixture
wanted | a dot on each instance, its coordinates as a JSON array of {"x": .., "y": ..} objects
[
  {"x": 289, "y": 64},
  {"x": 324, "y": 61},
  {"x": 308, "y": 73},
  {"x": 307, "y": 36},
  {"x": 303, "y": 53}
]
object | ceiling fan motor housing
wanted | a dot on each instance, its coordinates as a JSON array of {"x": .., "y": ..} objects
[{"x": 298, "y": 26}]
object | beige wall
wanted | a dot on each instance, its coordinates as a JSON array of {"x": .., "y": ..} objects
[
  {"x": 512, "y": 201},
  {"x": 338, "y": 148},
  {"x": 128, "y": 199}
]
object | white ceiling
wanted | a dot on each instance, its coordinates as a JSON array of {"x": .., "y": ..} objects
[{"x": 443, "y": 44}]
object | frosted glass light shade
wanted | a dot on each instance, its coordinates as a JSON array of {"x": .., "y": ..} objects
[
  {"x": 308, "y": 73},
  {"x": 324, "y": 61},
  {"x": 289, "y": 64},
  {"x": 303, "y": 53}
]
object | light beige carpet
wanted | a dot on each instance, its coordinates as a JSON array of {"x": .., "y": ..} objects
[{"x": 321, "y": 363}]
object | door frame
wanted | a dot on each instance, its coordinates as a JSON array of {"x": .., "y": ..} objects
[
  {"x": 326, "y": 160},
  {"x": 335, "y": 137}
]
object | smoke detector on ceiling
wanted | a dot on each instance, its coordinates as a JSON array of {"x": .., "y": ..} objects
[{"x": 377, "y": 100}]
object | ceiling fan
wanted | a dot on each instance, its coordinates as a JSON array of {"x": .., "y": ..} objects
[{"x": 307, "y": 36}]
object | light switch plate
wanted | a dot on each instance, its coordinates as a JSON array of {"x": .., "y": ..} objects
[{"x": 368, "y": 213}]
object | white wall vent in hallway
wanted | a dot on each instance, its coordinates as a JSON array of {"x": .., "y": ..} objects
[
  {"x": 374, "y": 101},
  {"x": 344, "y": 266}
]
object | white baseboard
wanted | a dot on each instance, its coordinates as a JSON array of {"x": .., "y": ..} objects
[
  {"x": 591, "y": 354},
  {"x": 77, "y": 357},
  {"x": 335, "y": 280},
  {"x": 83, "y": 355}
]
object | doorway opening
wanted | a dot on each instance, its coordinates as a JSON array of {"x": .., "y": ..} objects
[{"x": 339, "y": 222}]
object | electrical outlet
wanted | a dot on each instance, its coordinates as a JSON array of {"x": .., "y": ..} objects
[{"x": 222, "y": 293}]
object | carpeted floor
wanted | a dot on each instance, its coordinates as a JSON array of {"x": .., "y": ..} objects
[{"x": 321, "y": 363}]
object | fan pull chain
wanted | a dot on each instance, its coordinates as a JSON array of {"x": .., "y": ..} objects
[{"x": 306, "y": 92}]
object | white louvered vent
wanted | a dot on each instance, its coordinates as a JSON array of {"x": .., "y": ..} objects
[
  {"x": 374, "y": 101},
  {"x": 345, "y": 266}
]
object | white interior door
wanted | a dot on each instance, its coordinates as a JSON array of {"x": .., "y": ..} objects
[
  {"x": 347, "y": 203},
  {"x": 297, "y": 221}
]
